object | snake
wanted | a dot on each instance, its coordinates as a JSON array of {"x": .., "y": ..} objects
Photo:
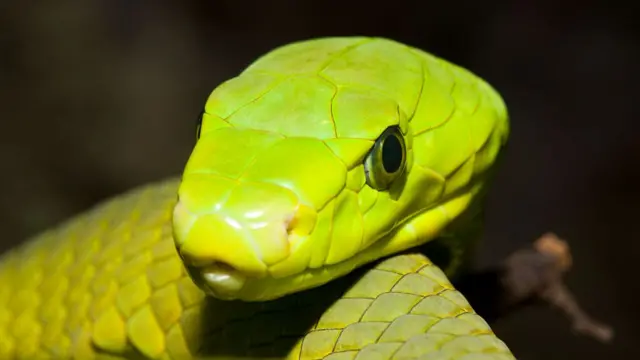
[{"x": 334, "y": 191}]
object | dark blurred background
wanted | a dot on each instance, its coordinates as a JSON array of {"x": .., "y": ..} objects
[{"x": 99, "y": 96}]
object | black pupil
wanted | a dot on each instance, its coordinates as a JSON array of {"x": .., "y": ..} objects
[{"x": 391, "y": 154}]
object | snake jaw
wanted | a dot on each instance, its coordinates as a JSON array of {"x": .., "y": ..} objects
[{"x": 222, "y": 280}]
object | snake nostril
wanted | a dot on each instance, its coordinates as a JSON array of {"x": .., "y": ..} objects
[{"x": 303, "y": 221}]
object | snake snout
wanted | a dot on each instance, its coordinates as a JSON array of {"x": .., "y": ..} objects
[
  {"x": 241, "y": 239},
  {"x": 268, "y": 238}
]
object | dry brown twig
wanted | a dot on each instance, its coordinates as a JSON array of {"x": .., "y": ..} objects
[{"x": 538, "y": 272}]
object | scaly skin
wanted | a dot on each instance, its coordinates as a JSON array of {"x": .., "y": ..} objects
[{"x": 110, "y": 284}]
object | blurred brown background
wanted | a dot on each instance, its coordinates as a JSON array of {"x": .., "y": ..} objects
[{"x": 101, "y": 95}]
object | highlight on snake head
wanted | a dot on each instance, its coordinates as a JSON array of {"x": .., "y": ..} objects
[{"x": 302, "y": 173}]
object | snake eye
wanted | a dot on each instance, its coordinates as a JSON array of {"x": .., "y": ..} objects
[
  {"x": 199, "y": 125},
  {"x": 385, "y": 162}
]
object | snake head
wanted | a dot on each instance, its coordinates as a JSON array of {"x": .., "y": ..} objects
[{"x": 323, "y": 156}]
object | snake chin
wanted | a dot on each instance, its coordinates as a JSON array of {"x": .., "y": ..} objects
[{"x": 222, "y": 281}]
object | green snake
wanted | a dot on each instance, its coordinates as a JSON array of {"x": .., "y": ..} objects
[{"x": 300, "y": 230}]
